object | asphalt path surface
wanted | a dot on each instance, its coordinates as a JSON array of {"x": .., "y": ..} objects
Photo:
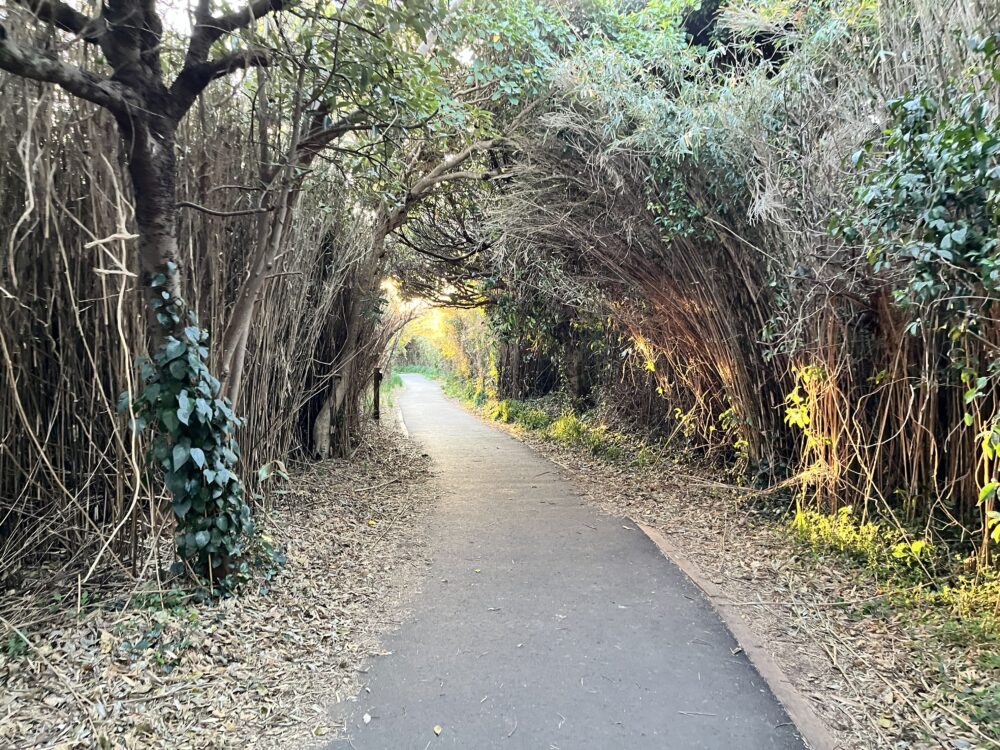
[{"x": 546, "y": 624}]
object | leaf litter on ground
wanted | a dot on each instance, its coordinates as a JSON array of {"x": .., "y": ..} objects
[{"x": 148, "y": 668}]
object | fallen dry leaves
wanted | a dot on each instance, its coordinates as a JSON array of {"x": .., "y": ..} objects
[{"x": 156, "y": 669}]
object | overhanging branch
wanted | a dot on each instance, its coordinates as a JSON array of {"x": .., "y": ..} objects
[
  {"x": 209, "y": 29},
  {"x": 64, "y": 17},
  {"x": 320, "y": 138},
  {"x": 39, "y": 65}
]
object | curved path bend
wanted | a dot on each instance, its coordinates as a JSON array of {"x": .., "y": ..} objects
[{"x": 546, "y": 624}]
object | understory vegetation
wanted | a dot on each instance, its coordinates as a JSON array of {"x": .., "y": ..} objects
[{"x": 761, "y": 236}]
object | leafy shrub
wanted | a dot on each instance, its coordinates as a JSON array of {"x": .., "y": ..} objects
[
  {"x": 531, "y": 419},
  {"x": 517, "y": 412},
  {"x": 498, "y": 411},
  {"x": 568, "y": 429},
  {"x": 866, "y": 542}
]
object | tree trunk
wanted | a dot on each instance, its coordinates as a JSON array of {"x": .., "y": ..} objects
[
  {"x": 321, "y": 428},
  {"x": 152, "y": 165},
  {"x": 238, "y": 330}
]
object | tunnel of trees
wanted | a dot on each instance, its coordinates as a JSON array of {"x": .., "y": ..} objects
[{"x": 765, "y": 232}]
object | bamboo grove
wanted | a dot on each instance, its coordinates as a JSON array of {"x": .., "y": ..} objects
[{"x": 766, "y": 231}]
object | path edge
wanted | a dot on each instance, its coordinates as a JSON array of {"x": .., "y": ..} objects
[{"x": 811, "y": 727}]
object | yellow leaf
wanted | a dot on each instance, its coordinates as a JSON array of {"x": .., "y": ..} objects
[
  {"x": 438, "y": 729},
  {"x": 320, "y": 730},
  {"x": 372, "y": 522}
]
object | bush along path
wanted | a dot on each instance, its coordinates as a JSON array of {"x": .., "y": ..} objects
[
  {"x": 888, "y": 650},
  {"x": 544, "y": 623}
]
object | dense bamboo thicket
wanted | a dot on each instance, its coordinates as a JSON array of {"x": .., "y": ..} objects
[
  {"x": 703, "y": 199},
  {"x": 72, "y": 474},
  {"x": 768, "y": 230},
  {"x": 770, "y": 233},
  {"x": 219, "y": 196}
]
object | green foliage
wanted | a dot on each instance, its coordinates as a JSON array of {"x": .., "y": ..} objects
[
  {"x": 930, "y": 219},
  {"x": 933, "y": 207},
  {"x": 390, "y": 384},
  {"x": 569, "y": 429},
  {"x": 971, "y": 599},
  {"x": 910, "y": 552},
  {"x": 498, "y": 411},
  {"x": 869, "y": 543},
  {"x": 531, "y": 419},
  {"x": 16, "y": 646},
  {"x": 468, "y": 391},
  {"x": 516, "y": 412},
  {"x": 194, "y": 444},
  {"x": 514, "y": 46}
]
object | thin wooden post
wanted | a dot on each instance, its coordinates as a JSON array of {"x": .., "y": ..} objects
[{"x": 376, "y": 412}]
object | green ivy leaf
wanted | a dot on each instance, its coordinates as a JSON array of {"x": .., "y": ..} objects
[
  {"x": 173, "y": 349},
  {"x": 181, "y": 454},
  {"x": 181, "y": 508},
  {"x": 178, "y": 369},
  {"x": 184, "y": 407},
  {"x": 203, "y": 409},
  {"x": 198, "y": 456},
  {"x": 170, "y": 421}
]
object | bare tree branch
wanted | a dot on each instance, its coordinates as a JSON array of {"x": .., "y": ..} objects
[
  {"x": 318, "y": 139},
  {"x": 215, "y": 212},
  {"x": 39, "y": 65},
  {"x": 209, "y": 29},
  {"x": 439, "y": 173},
  {"x": 194, "y": 78},
  {"x": 64, "y": 17}
]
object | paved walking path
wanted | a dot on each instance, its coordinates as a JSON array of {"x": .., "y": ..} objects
[{"x": 545, "y": 624}]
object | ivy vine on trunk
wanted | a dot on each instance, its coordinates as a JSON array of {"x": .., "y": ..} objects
[{"x": 195, "y": 446}]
